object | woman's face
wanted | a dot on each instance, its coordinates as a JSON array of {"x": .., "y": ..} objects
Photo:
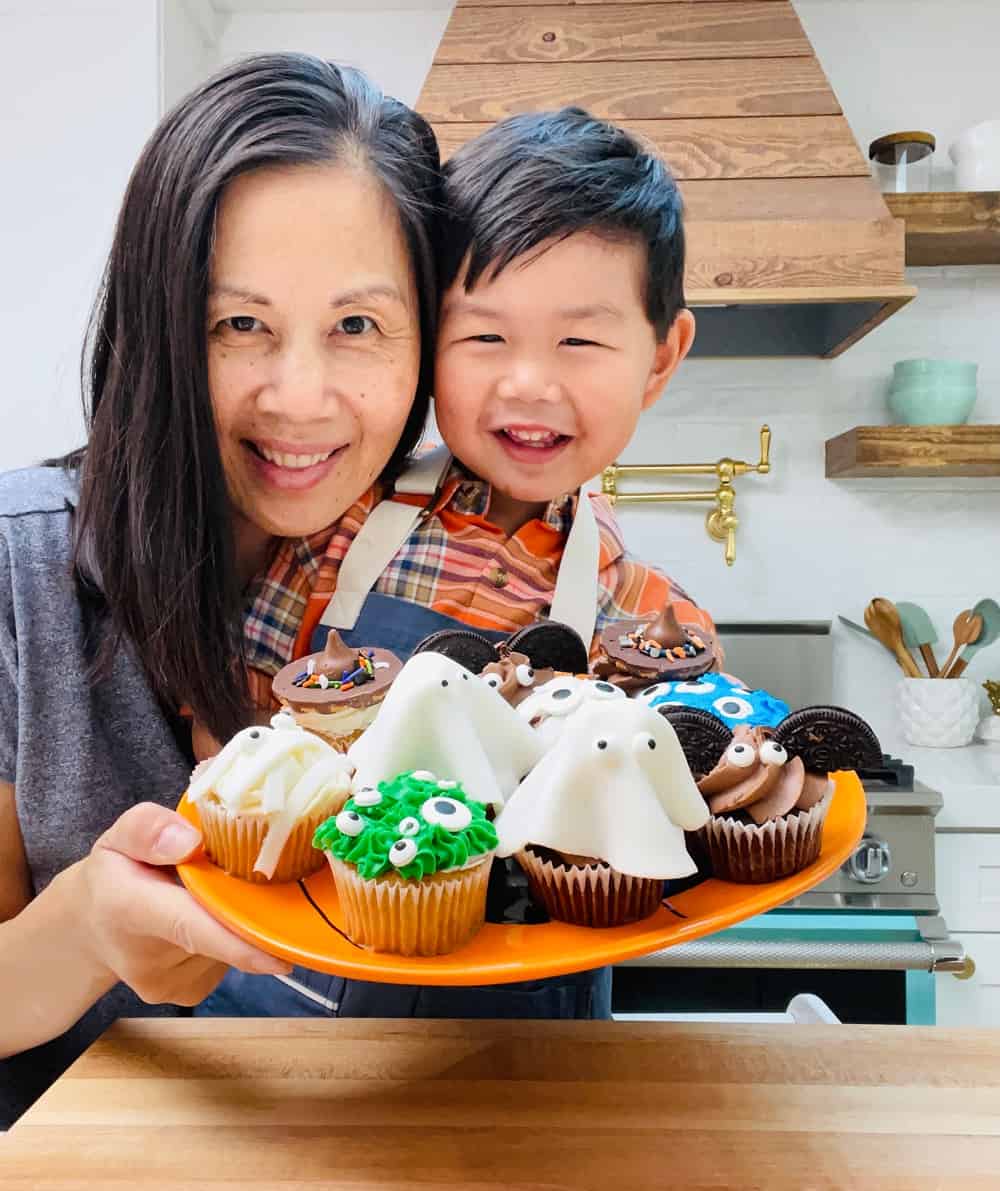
[{"x": 313, "y": 343}]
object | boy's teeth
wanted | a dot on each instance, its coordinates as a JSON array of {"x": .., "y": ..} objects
[
  {"x": 532, "y": 436},
  {"x": 295, "y": 462}
]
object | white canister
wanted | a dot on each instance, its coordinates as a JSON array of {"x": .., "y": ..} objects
[
  {"x": 938, "y": 712},
  {"x": 976, "y": 154}
]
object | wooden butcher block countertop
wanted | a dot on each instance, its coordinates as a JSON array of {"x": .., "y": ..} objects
[{"x": 220, "y": 1104}]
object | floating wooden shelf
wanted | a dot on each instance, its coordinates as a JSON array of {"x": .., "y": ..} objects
[
  {"x": 891, "y": 451},
  {"x": 960, "y": 228}
]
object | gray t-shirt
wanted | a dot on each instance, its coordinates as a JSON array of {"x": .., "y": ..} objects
[{"x": 79, "y": 753}]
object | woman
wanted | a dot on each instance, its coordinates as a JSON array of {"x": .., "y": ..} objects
[{"x": 256, "y": 365}]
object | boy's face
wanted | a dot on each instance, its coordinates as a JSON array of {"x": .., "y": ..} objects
[{"x": 542, "y": 372}]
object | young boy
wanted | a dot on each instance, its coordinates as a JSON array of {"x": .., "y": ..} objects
[{"x": 562, "y": 319}]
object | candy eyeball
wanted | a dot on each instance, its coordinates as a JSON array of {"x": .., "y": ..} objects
[
  {"x": 283, "y": 720},
  {"x": 409, "y": 826},
  {"x": 654, "y": 692},
  {"x": 773, "y": 753},
  {"x": 367, "y": 796},
  {"x": 493, "y": 680},
  {"x": 402, "y": 852},
  {"x": 525, "y": 675},
  {"x": 446, "y": 812},
  {"x": 423, "y": 775},
  {"x": 604, "y": 690},
  {"x": 643, "y": 742},
  {"x": 733, "y": 707},
  {"x": 695, "y": 688},
  {"x": 741, "y": 754},
  {"x": 350, "y": 823}
]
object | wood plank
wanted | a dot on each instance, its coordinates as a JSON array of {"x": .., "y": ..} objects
[
  {"x": 629, "y": 90},
  {"x": 554, "y": 33},
  {"x": 950, "y": 228},
  {"x": 221, "y": 1104},
  {"x": 792, "y": 253},
  {"x": 778, "y": 199},
  {"x": 900, "y": 451},
  {"x": 755, "y": 147}
]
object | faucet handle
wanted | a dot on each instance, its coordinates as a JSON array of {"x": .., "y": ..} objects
[{"x": 764, "y": 466}]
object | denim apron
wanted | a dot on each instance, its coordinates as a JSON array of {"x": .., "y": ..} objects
[{"x": 366, "y": 617}]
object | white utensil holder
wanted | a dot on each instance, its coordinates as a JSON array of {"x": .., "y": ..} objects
[{"x": 938, "y": 712}]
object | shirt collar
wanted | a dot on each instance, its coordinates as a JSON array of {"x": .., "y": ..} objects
[{"x": 467, "y": 494}]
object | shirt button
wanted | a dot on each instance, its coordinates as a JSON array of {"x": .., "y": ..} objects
[{"x": 499, "y": 578}]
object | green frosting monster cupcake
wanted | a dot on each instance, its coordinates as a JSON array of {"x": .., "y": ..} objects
[{"x": 413, "y": 826}]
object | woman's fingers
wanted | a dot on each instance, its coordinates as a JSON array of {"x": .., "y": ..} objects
[
  {"x": 148, "y": 929},
  {"x": 151, "y": 834}
]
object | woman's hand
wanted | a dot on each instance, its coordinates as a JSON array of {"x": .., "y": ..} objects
[{"x": 143, "y": 927}]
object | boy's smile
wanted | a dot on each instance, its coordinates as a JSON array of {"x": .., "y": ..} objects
[{"x": 542, "y": 371}]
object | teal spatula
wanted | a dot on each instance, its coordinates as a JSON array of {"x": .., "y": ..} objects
[
  {"x": 918, "y": 633},
  {"x": 989, "y": 610}
]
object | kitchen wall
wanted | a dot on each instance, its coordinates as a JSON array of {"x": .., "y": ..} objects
[{"x": 807, "y": 547}]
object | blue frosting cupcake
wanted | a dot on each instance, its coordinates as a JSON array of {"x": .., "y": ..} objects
[{"x": 721, "y": 696}]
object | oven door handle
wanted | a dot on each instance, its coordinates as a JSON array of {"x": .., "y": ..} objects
[{"x": 933, "y": 952}]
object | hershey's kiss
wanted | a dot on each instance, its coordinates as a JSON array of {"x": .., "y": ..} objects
[{"x": 336, "y": 656}]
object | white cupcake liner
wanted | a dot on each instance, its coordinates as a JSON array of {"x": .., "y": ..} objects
[
  {"x": 233, "y": 842},
  {"x": 431, "y": 916},
  {"x": 752, "y": 855},
  {"x": 594, "y": 895}
]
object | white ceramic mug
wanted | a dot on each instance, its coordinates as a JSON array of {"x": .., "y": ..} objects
[{"x": 938, "y": 712}]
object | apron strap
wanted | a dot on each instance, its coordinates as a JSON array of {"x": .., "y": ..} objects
[
  {"x": 379, "y": 540},
  {"x": 575, "y": 599},
  {"x": 391, "y": 522}
]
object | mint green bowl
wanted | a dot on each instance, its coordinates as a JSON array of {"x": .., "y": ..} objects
[
  {"x": 931, "y": 404},
  {"x": 946, "y": 372}
]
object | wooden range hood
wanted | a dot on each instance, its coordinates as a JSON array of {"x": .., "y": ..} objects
[{"x": 791, "y": 249}]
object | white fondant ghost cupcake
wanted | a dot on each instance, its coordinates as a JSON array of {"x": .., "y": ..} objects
[
  {"x": 439, "y": 717},
  {"x": 598, "y": 825}
]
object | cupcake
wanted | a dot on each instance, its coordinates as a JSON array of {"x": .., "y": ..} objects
[
  {"x": 411, "y": 861},
  {"x": 767, "y": 810},
  {"x": 598, "y": 825},
  {"x": 439, "y": 716},
  {"x": 263, "y": 796},
  {"x": 336, "y": 693},
  {"x": 634, "y": 654},
  {"x": 726, "y": 698}
]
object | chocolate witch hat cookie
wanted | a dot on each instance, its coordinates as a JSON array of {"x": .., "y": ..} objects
[{"x": 636, "y": 653}]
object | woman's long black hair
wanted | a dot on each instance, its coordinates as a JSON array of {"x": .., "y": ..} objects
[{"x": 154, "y": 529}]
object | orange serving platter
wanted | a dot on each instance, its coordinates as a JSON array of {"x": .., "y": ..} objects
[{"x": 283, "y": 921}]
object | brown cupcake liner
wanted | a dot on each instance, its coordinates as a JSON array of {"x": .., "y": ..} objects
[
  {"x": 752, "y": 855},
  {"x": 233, "y": 842},
  {"x": 595, "y": 895},
  {"x": 431, "y": 916}
]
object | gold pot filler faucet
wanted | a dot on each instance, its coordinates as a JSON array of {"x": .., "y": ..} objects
[{"x": 720, "y": 522}]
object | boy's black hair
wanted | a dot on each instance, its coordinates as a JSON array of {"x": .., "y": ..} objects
[{"x": 546, "y": 175}]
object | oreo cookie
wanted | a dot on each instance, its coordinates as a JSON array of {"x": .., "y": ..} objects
[
  {"x": 465, "y": 646},
  {"x": 551, "y": 646},
  {"x": 703, "y": 737},
  {"x": 828, "y": 739}
]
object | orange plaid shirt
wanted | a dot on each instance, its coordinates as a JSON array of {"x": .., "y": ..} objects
[{"x": 455, "y": 562}]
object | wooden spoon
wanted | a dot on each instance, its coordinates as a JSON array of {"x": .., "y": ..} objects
[
  {"x": 882, "y": 619},
  {"x": 989, "y": 610},
  {"x": 967, "y": 627}
]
